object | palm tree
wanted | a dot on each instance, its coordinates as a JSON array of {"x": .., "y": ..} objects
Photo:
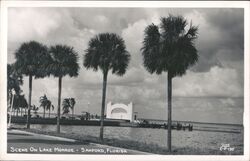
[
  {"x": 22, "y": 103},
  {"x": 106, "y": 51},
  {"x": 64, "y": 62},
  {"x": 46, "y": 104},
  {"x": 35, "y": 109},
  {"x": 43, "y": 103},
  {"x": 66, "y": 105},
  {"x": 14, "y": 81},
  {"x": 169, "y": 48},
  {"x": 49, "y": 107},
  {"x": 72, "y": 105},
  {"x": 19, "y": 103},
  {"x": 32, "y": 58}
]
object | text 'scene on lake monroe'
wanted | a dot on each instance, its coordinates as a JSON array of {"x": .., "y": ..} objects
[{"x": 68, "y": 150}]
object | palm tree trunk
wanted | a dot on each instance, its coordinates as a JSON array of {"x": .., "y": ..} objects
[
  {"x": 169, "y": 110},
  {"x": 49, "y": 112},
  {"x": 29, "y": 103},
  {"x": 72, "y": 112},
  {"x": 59, "y": 103},
  {"x": 44, "y": 112},
  {"x": 103, "y": 103}
]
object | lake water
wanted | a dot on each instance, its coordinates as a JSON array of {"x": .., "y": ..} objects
[{"x": 195, "y": 139}]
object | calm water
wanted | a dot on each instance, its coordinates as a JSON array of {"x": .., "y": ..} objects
[{"x": 196, "y": 139}]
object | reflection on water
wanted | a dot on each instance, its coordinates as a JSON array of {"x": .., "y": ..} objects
[{"x": 196, "y": 139}]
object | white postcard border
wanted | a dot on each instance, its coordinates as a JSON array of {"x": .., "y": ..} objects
[{"x": 148, "y": 4}]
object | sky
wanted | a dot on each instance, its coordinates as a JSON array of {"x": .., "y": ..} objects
[{"x": 210, "y": 90}]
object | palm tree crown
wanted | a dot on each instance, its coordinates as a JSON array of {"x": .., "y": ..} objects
[
  {"x": 20, "y": 101},
  {"x": 66, "y": 106},
  {"x": 31, "y": 59},
  {"x": 107, "y": 51},
  {"x": 170, "y": 47},
  {"x": 64, "y": 61}
]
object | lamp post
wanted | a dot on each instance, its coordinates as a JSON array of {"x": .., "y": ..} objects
[{"x": 11, "y": 107}]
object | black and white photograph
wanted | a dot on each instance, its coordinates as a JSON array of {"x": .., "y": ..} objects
[{"x": 125, "y": 80}]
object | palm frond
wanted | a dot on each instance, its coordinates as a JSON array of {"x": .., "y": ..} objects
[
  {"x": 150, "y": 49},
  {"x": 64, "y": 61},
  {"x": 170, "y": 49},
  {"x": 107, "y": 51},
  {"x": 66, "y": 105},
  {"x": 31, "y": 59}
]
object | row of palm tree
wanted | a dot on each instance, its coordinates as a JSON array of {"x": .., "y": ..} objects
[
  {"x": 20, "y": 103},
  {"x": 168, "y": 47},
  {"x": 36, "y": 60},
  {"x": 67, "y": 105}
]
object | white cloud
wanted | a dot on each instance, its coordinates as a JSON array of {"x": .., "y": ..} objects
[
  {"x": 216, "y": 82},
  {"x": 101, "y": 19},
  {"x": 133, "y": 36},
  {"x": 25, "y": 24}
]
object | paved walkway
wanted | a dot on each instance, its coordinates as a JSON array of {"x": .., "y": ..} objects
[{"x": 26, "y": 142}]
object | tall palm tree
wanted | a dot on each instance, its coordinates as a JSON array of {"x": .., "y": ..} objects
[
  {"x": 66, "y": 105},
  {"x": 43, "y": 103},
  {"x": 49, "y": 107},
  {"x": 64, "y": 62},
  {"x": 72, "y": 105},
  {"x": 106, "y": 51},
  {"x": 170, "y": 48},
  {"x": 46, "y": 104},
  {"x": 32, "y": 58}
]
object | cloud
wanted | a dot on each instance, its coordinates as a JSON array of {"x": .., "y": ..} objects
[
  {"x": 133, "y": 36},
  {"x": 218, "y": 82},
  {"x": 218, "y": 30},
  {"x": 25, "y": 24}
]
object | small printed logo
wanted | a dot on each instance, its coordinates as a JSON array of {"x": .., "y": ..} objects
[{"x": 226, "y": 147}]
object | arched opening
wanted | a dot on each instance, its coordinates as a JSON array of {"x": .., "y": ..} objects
[
  {"x": 118, "y": 110},
  {"x": 119, "y": 113}
]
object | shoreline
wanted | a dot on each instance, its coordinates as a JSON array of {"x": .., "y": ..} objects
[
  {"x": 134, "y": 145},
  {"x": 114, "y": 122},
  {"x": 196, "y": 126}
]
